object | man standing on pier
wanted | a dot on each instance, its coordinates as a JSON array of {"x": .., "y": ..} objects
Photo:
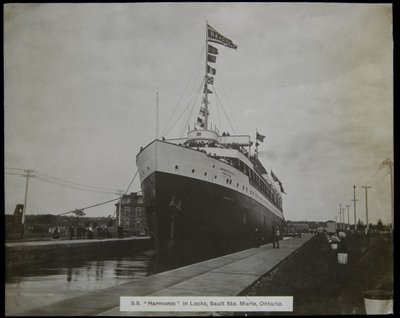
[{"x": 275, "y": 237}]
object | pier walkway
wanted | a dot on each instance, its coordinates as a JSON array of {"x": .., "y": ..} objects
[{"x": 228, "y": 275}]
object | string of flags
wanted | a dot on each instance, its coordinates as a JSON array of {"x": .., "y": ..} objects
[
  {"x": 212, "y": 52},
  {"x": 201, "y": 117}
]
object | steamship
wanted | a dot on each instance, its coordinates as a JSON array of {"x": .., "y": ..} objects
[{"x": 208, "y": 191}]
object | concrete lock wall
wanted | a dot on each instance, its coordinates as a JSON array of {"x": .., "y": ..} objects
[{"x": 22, "y": 255}]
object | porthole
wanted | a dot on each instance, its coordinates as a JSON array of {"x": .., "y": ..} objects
[
  {"x": 148, "y": 168},
  {"x": 213, "y": 166},
  {"x": 192, "y": 170},
  {"x": 205, "y": 173},
  {"x": 230, "y": 181},
  {"x": 215, "y": 177},
  {"x": 176, "y": 167},
  {"x": 237, "y": 185},
  {"x": 227, "y": 180}
]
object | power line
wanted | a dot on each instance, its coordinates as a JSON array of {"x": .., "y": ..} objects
[
  {"x": 58, "y": 181},
  {"x": 15, "y": 174},
  {"x": 73, "y": 186},
  {"x": 105, "y": 202},
  {"x": 376, "y": 173},
  {"x": 74, "y": 183},
  {"x": 55, "y": 180},
  {"x": 387, "y": 173},
  {"x": 14, "y": 168}
]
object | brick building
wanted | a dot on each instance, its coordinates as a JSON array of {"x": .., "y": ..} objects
[{"x": 133, "y": 214}]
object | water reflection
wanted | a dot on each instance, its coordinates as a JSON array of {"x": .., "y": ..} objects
[{"x": 33, "y": 286}]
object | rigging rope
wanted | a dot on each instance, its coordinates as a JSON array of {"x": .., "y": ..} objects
[
  {"x": 219, "y": 118},
  {"x": 222, "y": 106},
  {"x": 131, "y": 181},
  {"x": 187, "y": 85},
  {"x": 90, "y": 206},
  {"x": 226, "y": 98},
  {"x": 182, "y": 113},
  {"x": 191, "y": 112}
]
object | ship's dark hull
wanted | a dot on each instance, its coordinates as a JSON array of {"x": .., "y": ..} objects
[{"x": 191, "y": 219}]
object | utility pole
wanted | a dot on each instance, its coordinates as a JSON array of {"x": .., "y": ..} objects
[
  {"x": 390, "y": 164},
  {"x": 119, "y": 207},
  {"x": 340, "y": 216},
  {"x": 366, "y": 204},
  {"x": 355, "y": 217},
  {"x": 348, "y": 217},
  {"x": 27, "y": 175}
]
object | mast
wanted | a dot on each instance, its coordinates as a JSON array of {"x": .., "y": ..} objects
[
  {"x": 157, "y": 116},
  {"x": 205, "y": 84}
]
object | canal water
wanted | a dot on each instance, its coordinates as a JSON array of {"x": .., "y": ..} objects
[{"x": 37, "y": 286}]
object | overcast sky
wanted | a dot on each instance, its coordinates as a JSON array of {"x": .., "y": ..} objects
[{"x": 315, "y": 79}]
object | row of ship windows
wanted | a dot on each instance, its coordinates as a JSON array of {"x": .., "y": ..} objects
[{"x": 228, "y": 181}]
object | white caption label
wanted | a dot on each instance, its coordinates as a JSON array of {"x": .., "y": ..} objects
[{"x": 206, "y": 303}]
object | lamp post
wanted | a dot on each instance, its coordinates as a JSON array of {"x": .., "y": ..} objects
[
  {"x": 355, "y": 217},
  {"x": 348, "y": 217}
]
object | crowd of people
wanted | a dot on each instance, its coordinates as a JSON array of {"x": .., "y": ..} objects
[{"x": 82, "y": 232}]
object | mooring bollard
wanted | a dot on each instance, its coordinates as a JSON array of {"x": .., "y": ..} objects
[{"x": 378, "y": 302}]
